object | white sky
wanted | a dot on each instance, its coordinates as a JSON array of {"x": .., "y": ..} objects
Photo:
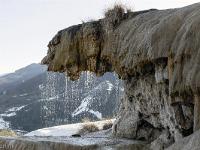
[{"x": 26, "y": 26}]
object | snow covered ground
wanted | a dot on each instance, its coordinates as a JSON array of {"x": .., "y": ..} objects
[{"x": 66, "y": 130}]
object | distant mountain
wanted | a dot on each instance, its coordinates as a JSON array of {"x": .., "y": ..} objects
[
  {"x": 3, "y": 74},
  {"x": 33, "y": 98},
  {"x": 21, "y": 75}
]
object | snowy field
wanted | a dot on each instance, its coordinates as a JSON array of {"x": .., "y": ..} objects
[{"x": 65, "y": 130}]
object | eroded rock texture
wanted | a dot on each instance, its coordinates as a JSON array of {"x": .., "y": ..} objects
[{"x": 155, "y": 52}]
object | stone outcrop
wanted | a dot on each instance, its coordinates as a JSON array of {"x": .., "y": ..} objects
[
  {"x": 188, "y": 143},
  {"x": 155, "y": 52},
  {"x": 68, "y": 143}
]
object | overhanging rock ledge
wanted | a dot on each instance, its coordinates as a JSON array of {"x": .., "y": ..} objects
[{"x": 156, "y": 53}]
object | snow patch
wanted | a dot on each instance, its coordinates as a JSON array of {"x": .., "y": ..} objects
[
  {"x": 54, "y": 97},
  {"x": 84, "y": 106},
  {"x": 45, "y": 107},
  {"x": 96, "y": 113},
  {"x": 9, "y": 113},
  {"x": 88, "y": 100},
  {"x": 41, "y": 86},
  {"x": 66, "y": 130},
  {"x": 25, "y": 94},
  {"x": 110, "y": 86},
  {"x": 104, "y": 85},
  {"x": 15, "y": 108},
  {"x": 3, "y": 124}
]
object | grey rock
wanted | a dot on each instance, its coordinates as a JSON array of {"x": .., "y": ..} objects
[
  {"x": 68, "y": 143},
  {"x": 188, "y": 143}
]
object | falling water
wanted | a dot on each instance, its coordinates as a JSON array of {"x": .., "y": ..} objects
[
  {"x": 49, "y": 96},
  {"x": 61, "y": 97},
  {"x": 66, "y": 94},
  {"x": 68, "y": 98},
  {"x": 72, "y": 94},
  {"x": 89, "y": 81}
]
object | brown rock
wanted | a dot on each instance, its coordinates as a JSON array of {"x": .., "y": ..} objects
[{"x": 155, "y": 52}]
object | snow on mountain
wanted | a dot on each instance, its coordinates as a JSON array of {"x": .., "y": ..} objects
[
  {"x": 85, "y": 105},
  {"x": 96, "y": 113},
  {"x": 3, "y": 124},
  {"x": 9, "y": 113},
  {"x": 49, "y": 99},
  {"x": 12, "y": 111}
]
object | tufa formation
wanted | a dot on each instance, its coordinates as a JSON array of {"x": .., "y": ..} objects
[{"x": 157, "y": 55}]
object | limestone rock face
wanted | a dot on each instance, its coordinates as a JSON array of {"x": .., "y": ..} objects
[
  {"x": 155, "y": 52},
  {"x": 188, "y": 143}
]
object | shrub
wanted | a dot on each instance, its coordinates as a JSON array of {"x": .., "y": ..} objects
[
  {"x": 117, "y": 9},
  {"x": 107, "y": 125},
  {"x": 86, "y": 120},
  {"x": 6, "y": 132},
  {"x": 88, "y": 128},
  {"x": 114, "y": 16}
]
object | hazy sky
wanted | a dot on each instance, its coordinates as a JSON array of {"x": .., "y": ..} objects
[{"x": 26, "y": 26}]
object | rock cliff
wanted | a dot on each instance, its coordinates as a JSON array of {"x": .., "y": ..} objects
[{"x": 155, "y": 52}]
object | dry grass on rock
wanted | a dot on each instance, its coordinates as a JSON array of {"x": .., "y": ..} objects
[
  {"x": 88, "y": 128},
  {"x": 6, "y": 132},
  {"x": 107, "y": 125},
  {"x": 114, "y": 15}
]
